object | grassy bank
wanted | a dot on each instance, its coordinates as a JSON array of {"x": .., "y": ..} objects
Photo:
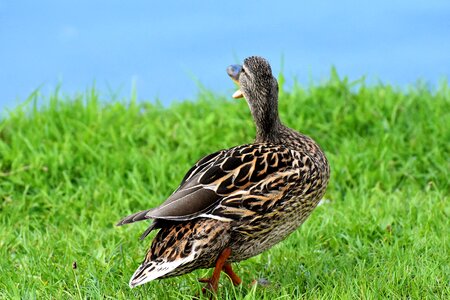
[{"x": 72, "y": 168}]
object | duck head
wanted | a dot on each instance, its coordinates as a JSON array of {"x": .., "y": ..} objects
[{"x": 260, "y": 88}]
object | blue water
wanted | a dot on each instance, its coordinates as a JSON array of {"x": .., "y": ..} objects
[{"x": 164, "y": 48}]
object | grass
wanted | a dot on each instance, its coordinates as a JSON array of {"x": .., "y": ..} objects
[{"x": 74, "y": 166}]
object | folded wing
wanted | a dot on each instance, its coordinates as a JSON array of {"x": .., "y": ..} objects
[{"x": 217, "y": 176}]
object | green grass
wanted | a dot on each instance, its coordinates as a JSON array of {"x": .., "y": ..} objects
[{"x": 72, "y": 168}]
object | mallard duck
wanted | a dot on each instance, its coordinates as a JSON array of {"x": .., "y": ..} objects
[{"x": 236, "y": 203}]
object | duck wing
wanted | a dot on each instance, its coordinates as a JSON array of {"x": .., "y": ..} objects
[
  {"x": 171, "y": 206},
  {"x": 218, "y": 176}
]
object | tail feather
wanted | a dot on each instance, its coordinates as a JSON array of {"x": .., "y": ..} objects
[
  {"x": 148, "y": 230},
  {"x": 151, "y": 270}
]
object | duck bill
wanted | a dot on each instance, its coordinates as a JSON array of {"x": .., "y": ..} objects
[
  {"x": 234, "y": 71},
  {"x": 238, "y": 94}
]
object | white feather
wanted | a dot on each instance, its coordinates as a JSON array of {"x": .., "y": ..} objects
[
  {"x": 161, "y": 269},
  {"x": 218, "y": 218}
]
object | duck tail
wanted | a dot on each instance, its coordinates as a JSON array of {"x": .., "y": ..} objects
[{"x": 151, "y": 270}]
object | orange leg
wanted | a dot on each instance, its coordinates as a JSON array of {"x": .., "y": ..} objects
[
  {"x": 213, "y": 282},
  {"x": 229, "y": 271}
]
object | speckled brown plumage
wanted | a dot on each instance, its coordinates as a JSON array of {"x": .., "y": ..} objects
[{"x": 239, "y": 201}]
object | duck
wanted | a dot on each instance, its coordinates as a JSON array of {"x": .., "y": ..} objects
[{"x": 236, "y": 203}]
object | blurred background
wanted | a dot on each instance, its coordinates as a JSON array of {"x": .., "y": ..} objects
[{"x": 167, "y": 49}]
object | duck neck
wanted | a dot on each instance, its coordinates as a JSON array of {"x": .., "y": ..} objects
[{"x": 267, "y": 121}]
